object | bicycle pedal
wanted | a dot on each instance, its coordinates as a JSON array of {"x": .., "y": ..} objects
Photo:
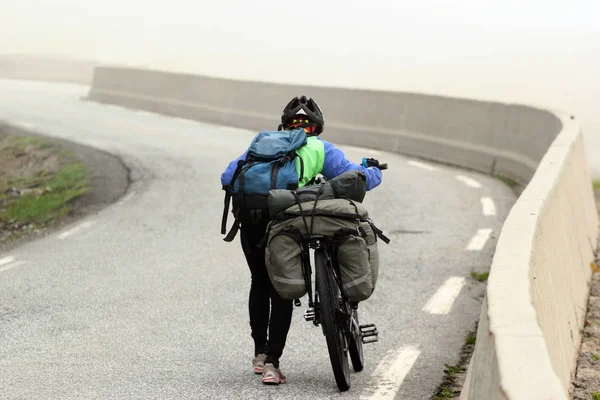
[
  {"x": 309, "y": 315},
  {"x": 368, "y": 333},
  {"x": 297, "y": 303}
]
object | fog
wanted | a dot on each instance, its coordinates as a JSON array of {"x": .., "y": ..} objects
[{"x": 538, "y": 52}]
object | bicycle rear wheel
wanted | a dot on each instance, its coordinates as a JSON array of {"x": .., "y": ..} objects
[
  {"x": 334, "y": 332},
  {"x": 355, "y": 347}
]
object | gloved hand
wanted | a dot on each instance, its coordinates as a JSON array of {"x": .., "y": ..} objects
[{"x": 372, "y": 162}]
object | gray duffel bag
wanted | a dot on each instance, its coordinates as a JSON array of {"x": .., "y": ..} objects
[
  {"x": 348, "y": 226},
  {"x": 349, "y": 185}
]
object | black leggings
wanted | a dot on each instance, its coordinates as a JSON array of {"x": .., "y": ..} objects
[{"x": 261, "y": 291}]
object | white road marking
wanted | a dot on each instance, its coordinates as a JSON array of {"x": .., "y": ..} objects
[
  {"x": 12, "y": 265},
  {"x": 183, "y": 120},
  {"x": 27, "y": 125},
  {"x": 391, "y": 371},
  {"x": 236, "y": 129},
  {"x": 419, "y": 164},
  {"x": 127, "y": 197},
  {"x": 6, "y": 260},
  {"x": 468, "y": 181},
  {"x": 144, "y": 112},
  {"x": 367, "y": 152},
  {"x": 478, "y": 241},
  {"x": 115, "y": 107},
  {"x": 443, "y": 300},
  {"x": 489, "y": 208},
  {"x": 73, "y": 231}
]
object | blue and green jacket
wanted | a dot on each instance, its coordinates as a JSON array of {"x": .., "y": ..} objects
[{"x": 319, "y": 157}]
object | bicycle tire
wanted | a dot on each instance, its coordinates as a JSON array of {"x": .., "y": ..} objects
[
  {"x": 334, "y": 333},
  {"x": 355, "y": 348}
]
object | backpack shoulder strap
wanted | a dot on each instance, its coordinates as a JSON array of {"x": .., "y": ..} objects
[{"x": 228, "y": 189}]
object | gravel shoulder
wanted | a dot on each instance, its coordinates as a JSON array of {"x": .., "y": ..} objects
[{"x": 108, "y": 176}]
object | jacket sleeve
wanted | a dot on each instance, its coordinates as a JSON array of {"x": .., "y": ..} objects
[
  {"x": 228, "y": 173},
  {"x": 336, "y": 164}
]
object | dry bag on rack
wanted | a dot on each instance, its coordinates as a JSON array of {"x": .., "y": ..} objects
[{"x": 353, "y": 235}]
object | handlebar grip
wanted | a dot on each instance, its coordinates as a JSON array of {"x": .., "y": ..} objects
[{"x": 371, "y": 162}]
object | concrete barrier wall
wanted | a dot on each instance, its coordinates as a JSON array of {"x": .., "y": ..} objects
[
  {"x": 531, "y": 317},
  {"x": 50, "y": 69},
  {"x": 490, "y": 137}
]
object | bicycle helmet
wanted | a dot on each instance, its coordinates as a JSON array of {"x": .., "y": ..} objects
[{"x": 305, "y": 108}]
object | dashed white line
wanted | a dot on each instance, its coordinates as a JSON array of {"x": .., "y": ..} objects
[
  {"x": 236, "y": 129},
  {"x": 6, "y": 260},
  {"x": 143, "y": 112},
  {"x": 27, "y": 125},
  {"x": 12, "y": 265},
  {"x": 478, "y": 241},
  {"x": 367, "y": 152},
  {"x": 441, "y": 302},
  {"x": 419, "y": 164},
  {"x": 127, "y": 197},
  {"x": 391, "y": 371},
  {"x": 489, "y": 208},
  {"x": 468, "y": 181},
  {"x": 73, "y": 231},
  {"x": 183, "y": 120}
]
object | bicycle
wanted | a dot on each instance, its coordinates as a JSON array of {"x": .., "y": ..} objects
[{"x": 336, "y": 314}]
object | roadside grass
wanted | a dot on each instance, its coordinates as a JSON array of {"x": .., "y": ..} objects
[
  {"x": 453, "y": 369},
  {"x": 596, "y": 184},
  {"x": 444, "y": 394},
  {"x": 454, "y": 375},
  {"x": 508, "y": 181},
  {"x": 69, "y": 183},
  {"x": 480, "y": 277},
  {"x": 38, "y": 180}
]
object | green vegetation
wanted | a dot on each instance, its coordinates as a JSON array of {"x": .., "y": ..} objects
[
  {"x": 444, "y": 394},
  {"x": 595, "y": 395},
  {"x": 508, "y": 181},
  {"x": 38, "y": 181},
  {"x": 453, "y": 369},
  {"x": 470, "y": 339},
  {"x": 69, "y": 183},
  {"x": 480, "y": 277},
  {"x": 596, "y": 184}
]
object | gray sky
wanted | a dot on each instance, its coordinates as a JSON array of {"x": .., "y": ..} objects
[{"x": 544, "y": 52}]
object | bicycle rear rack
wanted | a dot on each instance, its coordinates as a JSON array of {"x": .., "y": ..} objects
[{"x": 368, "y": 333}]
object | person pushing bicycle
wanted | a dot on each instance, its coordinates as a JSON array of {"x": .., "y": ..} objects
[{"x": 270, "y": 315}]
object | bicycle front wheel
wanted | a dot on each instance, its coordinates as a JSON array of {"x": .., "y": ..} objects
[{"x": 329, "y": 292}]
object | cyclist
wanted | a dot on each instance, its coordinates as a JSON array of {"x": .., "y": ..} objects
[{"x": 320, "y": 157}]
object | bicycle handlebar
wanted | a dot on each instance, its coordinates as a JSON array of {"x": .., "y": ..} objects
[{"x": 371, "y": 162}]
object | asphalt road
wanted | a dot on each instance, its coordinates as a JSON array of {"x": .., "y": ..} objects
[{"x": 144, "y": 300}]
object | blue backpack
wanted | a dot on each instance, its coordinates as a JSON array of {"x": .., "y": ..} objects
[{"x": 270, "y": 163}]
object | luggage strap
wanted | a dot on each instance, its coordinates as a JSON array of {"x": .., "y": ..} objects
[{"x": 378, "y": 232}]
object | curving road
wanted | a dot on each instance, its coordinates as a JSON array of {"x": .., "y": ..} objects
[{"x": 145, "y": 301}]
